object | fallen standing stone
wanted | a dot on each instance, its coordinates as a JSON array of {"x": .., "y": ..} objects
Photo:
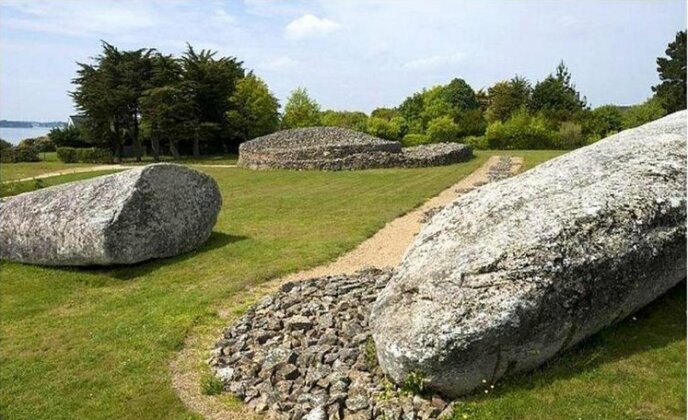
[
  {"x": 508, "y": 275},
  {"x": 155, "y": 211}
]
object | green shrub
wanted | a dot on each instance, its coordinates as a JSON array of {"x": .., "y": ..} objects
[
  {"x": 636, "y": 115},
  {"x": 476, "y": 142},
  {"x": 570, "y": 136},
  {"x": 93, "y": 155},
  {"x": 521, "y": 131},
  {"x": 443, "y": 129},
  {"x": 84, "y": 155},
  {"x": 393, "y": 129},
  {"x": 415, "y": 140},
  {"x": 21, "y": 153},
  {"x": 67, "y": 154}
]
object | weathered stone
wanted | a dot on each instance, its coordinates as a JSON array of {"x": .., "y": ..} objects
[
  {"x": 155, "y": 211},
  {"x": 508, "y": 275},
  {"x": 335, "y": 148}
]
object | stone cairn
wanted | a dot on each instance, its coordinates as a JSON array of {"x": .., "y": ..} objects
[
  {"x": 335, "y": 149},
  {"x": 307, "y": 352}
]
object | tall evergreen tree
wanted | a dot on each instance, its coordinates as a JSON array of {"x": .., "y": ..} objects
[{"x": 672, "y": 73}]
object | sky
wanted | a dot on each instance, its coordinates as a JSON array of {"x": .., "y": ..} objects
[{"x": 349, "y": 54}]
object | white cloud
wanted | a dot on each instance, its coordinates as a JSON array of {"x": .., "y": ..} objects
[
  {"x": 79, "y": 18},
  {"x": 434, "y": 62},
  {"x": 279, "y": 63},
  {"x": 310, "y": 25}
]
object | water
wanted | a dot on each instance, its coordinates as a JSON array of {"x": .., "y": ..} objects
[{"x": 16, "y": 134}]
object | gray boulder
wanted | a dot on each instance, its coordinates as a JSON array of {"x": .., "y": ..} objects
[
  {"x": 512, "y": 273},
  {"x": 155, "y": 211}
]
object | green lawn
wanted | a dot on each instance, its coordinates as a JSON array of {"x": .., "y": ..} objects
[
  {"x": 97, "y": 343},
  {"x": 12, "y": 171},
  {"x": 50, "y": 163}
]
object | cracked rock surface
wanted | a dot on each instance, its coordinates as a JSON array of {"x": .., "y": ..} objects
[
  {"x": 512, "y": 273},
  {"x": 154, "y": 211}
]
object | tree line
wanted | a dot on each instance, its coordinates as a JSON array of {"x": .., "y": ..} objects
[
  {"x": 200, "y": 103},
  {"x": 196, "y": 103}
]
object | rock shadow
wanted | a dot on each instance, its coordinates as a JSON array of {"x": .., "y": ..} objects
[
  {"x": 655, "y": 326},
  {"x": 132, "y": 271}
]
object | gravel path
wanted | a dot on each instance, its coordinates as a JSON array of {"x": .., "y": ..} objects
[
  {"x": 386, "y": 248},
  {"x": 382, "y": 251}
]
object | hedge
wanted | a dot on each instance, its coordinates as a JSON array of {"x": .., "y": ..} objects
[
  {"x": 84, "y": 155},
  {"x": 14, "y": 154}
]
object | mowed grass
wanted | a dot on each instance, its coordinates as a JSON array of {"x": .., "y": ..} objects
[
  {"x": 97, "y": 342},
  {"x": 18, "y": 187},
  {"x": 50, "y": 163},
  {"x": 14, "y": 171}
]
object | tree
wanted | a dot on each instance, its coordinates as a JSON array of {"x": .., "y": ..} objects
[
  {"x": 172, "y": 113},
  {"x": 353, "y": 120},
  {"x": 385, "y": 113},
  {"x": 506, "y": 97},
  {"x": 603, "y": 121},
  {"x": 107, "y": 93},
  {"x": 459, "y": 95},
  {"x": 69, "y": 136},
  {"x": 394, "y": 129},
  {"x": 443, "y": 129},
  {"x": 212, "y": 82},
  {"x": 672, "y": 73},
  {"x": 301, "y": 110},
  {"x": 556, "y": 96},
  {"x": 253, "y": 110},
  {"x": 412, "y": 109}
]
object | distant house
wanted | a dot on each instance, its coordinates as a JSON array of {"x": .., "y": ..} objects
[{"x": 77, "y": 121}]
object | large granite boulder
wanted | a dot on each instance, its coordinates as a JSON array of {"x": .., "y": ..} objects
[
  {"x": 514, "y": 272},
  {"x": 155, "y": 211}
]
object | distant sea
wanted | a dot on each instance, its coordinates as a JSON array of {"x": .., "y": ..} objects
[{"x": 16, "y": 134}]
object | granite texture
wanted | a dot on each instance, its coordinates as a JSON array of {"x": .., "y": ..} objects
[
  {"x": 155, "y": 211},
  {"x": 511, "y": 274}
]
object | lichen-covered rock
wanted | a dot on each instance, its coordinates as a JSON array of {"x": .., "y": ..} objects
[
  {"x": 335, "y": 148},
  {"x": 510, "y": 274},
  {"x": 155, "y": 211}
]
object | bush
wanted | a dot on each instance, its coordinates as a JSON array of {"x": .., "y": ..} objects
[
  {"x": 20, "y": 153},
  {"x": 44, "y": 144},
  {"x": 648, "y": 111},
  {"x": 90, "y": 155},
  {"x": 476, "y": 142},
  {"x": 570, "y": 136},
  {"x": 67, "y": 154},
  {"x": 415, "y": 140},
  {"x": 393, "y": 129},
  {"x": 521, "y": 131},
  {"x": 94, "y": 155},
  {"x": 443, "y": 129}
]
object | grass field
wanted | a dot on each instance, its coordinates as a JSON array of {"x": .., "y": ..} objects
[
  {"x": 50, "y": 163},
  {"x": 97, "y": 342}
]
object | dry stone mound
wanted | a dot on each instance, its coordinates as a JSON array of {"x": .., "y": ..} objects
[
  {"x": 155, "y": 211},
  {"x": 334, "y": 148},
  {"x": 509, "y": 275}
]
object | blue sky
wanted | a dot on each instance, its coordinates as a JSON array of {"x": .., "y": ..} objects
[{"x": 349, "y": 54}]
